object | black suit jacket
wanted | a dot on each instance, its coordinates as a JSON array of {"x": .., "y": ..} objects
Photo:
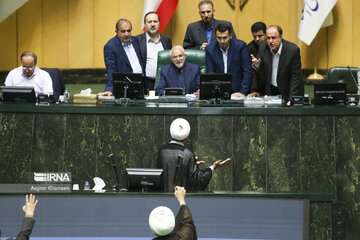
[
  {"x": 166, "y": 42},
  {"x": 26, "y": 229},
  {"x": 289, "y": 78},
  {"x": 195, "y": 34},
  {"x": 184, "y": 226}
]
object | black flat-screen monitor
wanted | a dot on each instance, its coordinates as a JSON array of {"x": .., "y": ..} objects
[
  {"x": 18, "y": 94},
  {"x": 128, "y": 85},
  {"x": 144, "y": 179},
  {"x": 215, "y": 86}
]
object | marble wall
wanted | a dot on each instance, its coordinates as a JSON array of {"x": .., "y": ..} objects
[{"x": 270, "y": 154}]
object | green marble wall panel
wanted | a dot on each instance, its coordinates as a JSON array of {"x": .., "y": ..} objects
[
  {"x": 318, "y": 160},
  {"x": 80, "y": 147},
  {"x": 48, "y": 143},
  {"x": 283, "y": 152},
  {"x": 250, "y": 153},
  {"x": 347, "y": 131},
  {"x": 215, "y": 141},
  {"x": 15, "y": 146},
  {"x": 320, "y": 221},
  {"x": 113, "y": 136},
  {"x": 147, "y": 135}
]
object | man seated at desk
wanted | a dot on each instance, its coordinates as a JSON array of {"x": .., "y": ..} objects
[
  {"x": 179, "y": 74},
  {"x": 28, "y": 74}
]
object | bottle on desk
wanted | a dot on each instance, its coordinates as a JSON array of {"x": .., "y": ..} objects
[
  {"x": 66, "y": 96},
  {"x": 86, "y": 186}
]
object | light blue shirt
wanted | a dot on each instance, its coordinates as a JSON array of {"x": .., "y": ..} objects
[
  {"x": 133, "y": 58},
  {"x": 225, "y": 57}
]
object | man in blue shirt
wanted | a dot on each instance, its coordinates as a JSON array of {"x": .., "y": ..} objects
[{"x": 199, "y": 34}]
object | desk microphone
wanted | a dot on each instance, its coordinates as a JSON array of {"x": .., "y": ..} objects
[
  {"x": 353, "y": 78},
  {"x": 115, "y": 175}
]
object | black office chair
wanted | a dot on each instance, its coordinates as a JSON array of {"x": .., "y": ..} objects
[
  {"x": 342, "y": 75},
  {"x": 57, "y": 81}
]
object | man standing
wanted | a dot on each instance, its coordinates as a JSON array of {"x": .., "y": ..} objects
[
  {"x": 151, "y": 42},
  {"x": 121, "y": 54},
  {"x": 258, "y": 30},
  {"x": 279, "y": 64},
  {"x": 199, "y": 34},
  {"x": 229, "y": 55},
  {"x": 164, "y": 225},
  {"x": 179, "y": 74},
  {"x": 180, "y": 167},
  {"x": 28, "y": 74}
]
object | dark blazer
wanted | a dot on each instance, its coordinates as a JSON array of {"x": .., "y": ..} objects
[
  {"x": 238, "y": 63},
  {"x": 26, "y": 229},
  {"x": 168, "y": 78},
  {"x": 253, "y": 48},
  {"x": 116, "y": 60},
  {"x": 184, "y": 226},
  {"x": 195, "y": 34},
  {"x": 166, "y": 42},
  {"x": 289, "y": 78}
]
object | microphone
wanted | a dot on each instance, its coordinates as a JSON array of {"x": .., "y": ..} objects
[
  {"x": 115, "y": 175},
  {"x": 183, "y": 80},
  {"x": 178, "y": 170},
  {"x": 353, "y": 78}
]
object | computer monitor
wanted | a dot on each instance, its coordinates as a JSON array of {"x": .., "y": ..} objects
[
  {"x": 128, "y": 85},
  {"x": 215, "y": 86},
  {"x": 144, "y": 179},
  {"x": 18, "y": 94}
]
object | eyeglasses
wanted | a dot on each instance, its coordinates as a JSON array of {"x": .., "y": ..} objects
[
  {"x": 181, "y": 56},
  {"x": 26, "y": 67}
]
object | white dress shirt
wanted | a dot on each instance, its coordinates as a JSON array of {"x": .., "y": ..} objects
[
  {"x": 40, "y": 80},
  {"x": 225, "y": 57},
  {"x": 275, "y": 65},
  {"x": 133, "y": 58},
  {"x": 152, "y": 49}
]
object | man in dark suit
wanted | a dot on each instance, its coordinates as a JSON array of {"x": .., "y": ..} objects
[
  {"x": 229, "y": 55},
  {"x": 151, "y": 42},
  {"x": 199, "y": 34},
  {"x": 28, "y": 221},
  {"x": 165, "y": 226},
  {"x": 258, "y": 30},
  {"x": 122, "y": 54},
  {"x": 179, "y": 74},
  {"x": 279, "y": 67}
]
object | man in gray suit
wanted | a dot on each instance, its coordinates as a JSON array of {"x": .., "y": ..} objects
[
  {"x": 151, "y": 42},
  {"x": 279, "y": 67},
  {"x": 199, "y": 34}
]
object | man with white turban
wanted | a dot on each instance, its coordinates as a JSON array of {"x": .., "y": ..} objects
[
  {"x": 179, "y": 164},
  {"x": 164, "y": 225}
]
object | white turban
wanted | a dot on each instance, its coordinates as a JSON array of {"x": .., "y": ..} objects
[
  {"x": 161, "y": 221},
  {"x": 180, "y": 129}
]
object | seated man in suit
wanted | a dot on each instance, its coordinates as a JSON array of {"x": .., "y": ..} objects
[
  {"x": 179, "y": 74},
  {"x": 229, "y": 55},
  {"x": 165, "y": 226},
  {"x": 28, "y": 74},
  {"x": 28, "y": 221},
  {"x": 279, "y": 67},
  {"x": 151, "y": 42},
  {"x": 121, "y": 54},
  {"x": 199, "y": 34}
]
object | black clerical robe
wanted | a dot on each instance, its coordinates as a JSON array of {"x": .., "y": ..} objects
[
  {"x": 184, "y": 226},
  {"x": 190, "y": 176},
  {"x": 26, "y": 229}
]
